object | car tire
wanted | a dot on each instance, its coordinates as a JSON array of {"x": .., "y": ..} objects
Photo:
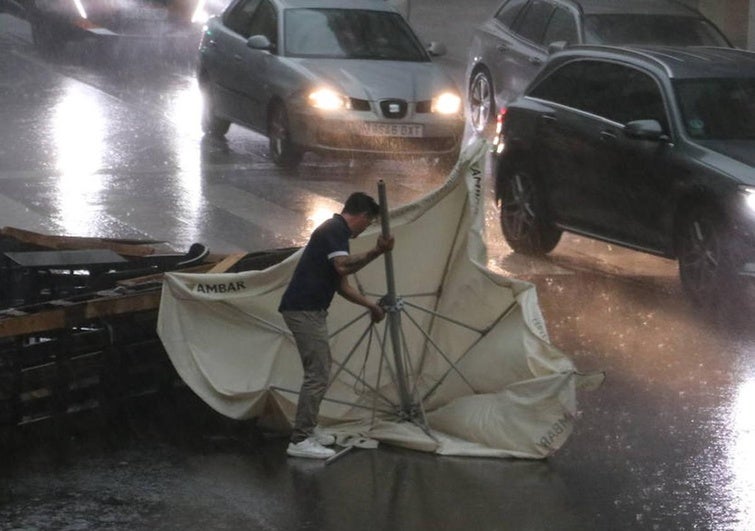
[
  {"x": 707, "y": 261},
  {"x": 283, "y": 151},
  {"x": 211, "y": 124},
  {"x": 523, "y": 216},
  {"x": 481, "y": 101}
]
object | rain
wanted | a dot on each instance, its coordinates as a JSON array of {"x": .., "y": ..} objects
[{"x": 103, "y": 139}]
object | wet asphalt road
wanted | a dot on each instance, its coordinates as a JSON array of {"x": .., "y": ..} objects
[{"x": 92, "y": 146}]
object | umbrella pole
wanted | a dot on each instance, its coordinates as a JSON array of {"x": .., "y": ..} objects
[{"x": 393, "y": 312}]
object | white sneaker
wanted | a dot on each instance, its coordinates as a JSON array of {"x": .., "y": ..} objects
[
  {"x": 326, "y": 439},
  {"x": 309, "y": 448}
]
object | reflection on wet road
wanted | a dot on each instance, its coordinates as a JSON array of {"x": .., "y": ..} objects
[{"x": 95, "y": 148}]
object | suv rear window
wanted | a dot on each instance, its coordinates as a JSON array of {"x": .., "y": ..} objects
[
  {"x": 651, "y": 29},
  {"x": 532, "y": 24}
]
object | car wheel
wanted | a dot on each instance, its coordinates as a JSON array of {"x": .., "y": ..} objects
[
  {"x": 523, "y": 218},
  {"x": 282, "y": 150},
  {"x": 211, "y": 124},
  {"x": 481, "y": 101},
  {"x": 707, "y": 264}
]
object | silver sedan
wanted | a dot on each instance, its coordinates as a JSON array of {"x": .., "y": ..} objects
[{"x": 338, "y": 78}]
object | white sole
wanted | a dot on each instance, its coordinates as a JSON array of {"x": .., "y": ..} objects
[{"x": 308, "y": 455}]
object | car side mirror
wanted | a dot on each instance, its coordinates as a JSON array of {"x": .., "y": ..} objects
[
  {"x": 557, "y": 46},
  {"x": 436, "y": 49},
  {"x": 260, "y": 42},
  {"x": 645, "y": 130}
]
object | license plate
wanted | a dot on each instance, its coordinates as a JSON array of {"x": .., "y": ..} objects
[{"x": 401, "y": 130}]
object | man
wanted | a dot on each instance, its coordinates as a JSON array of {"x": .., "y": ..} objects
[{"x": 322, "y": 271}]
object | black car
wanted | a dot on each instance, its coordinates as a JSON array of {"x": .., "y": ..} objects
[
  {"x": 55, "y": 22},
  {"x": 651, "y": 148},
  {"x": 509, "y": 48}
]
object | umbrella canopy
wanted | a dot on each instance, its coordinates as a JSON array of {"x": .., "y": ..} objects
[{"x": 468, "y": 371}]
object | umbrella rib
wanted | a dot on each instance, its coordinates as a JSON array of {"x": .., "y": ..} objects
[
  {"x": 425, "y": 294},
  {"x": 379, "y": 377},
  {"x": 444, "y": 275},
  {"x": 342, "y": 365},
  {"x": 440, "y": 351},
  {"x": 446, "y": 318},
  {"x": 409, "y": 363},
  {"x": 347, "y": 325},
  {"x": 503, "y": 314},
  {"x": 357, "y": 378}
]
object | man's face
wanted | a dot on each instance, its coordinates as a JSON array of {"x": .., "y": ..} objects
[{"x": 361, "y": 222}]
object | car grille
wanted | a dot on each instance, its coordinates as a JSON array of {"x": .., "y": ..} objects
[
  {"x": 394, "y": 108},
  {"x": 424, "y": 107},
  {"x": 383, "y": 144},
  {"x": 421, "y": 107},
  {"x": 360, "y": 105}
]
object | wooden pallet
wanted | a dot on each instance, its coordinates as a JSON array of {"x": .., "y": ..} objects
[{"x": 93, "y": 351}]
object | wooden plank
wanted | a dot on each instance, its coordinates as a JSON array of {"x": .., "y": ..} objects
[
  {"x": 77, "y": 313},
  {"x": 31, "y": 323},
  {"x": 158, "y": 277},
  {"x": 227, "y": 263},
  {"x": 76, "y": 242},
  {"x": 66, "y": 259},
  {"x": 137, "y": 302}
]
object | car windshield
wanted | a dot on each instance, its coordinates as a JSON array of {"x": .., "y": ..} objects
[
  {"x": 714, "y": 109},
  {"x": 651, "y": 29},
  {"x": 350, "y": 34}
]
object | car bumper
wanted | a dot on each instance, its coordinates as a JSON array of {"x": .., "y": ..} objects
[{"x": 361, "y": 132}]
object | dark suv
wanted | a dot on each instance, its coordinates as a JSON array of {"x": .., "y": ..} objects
[
  {"x": 651, "y": 148},
  {"x": 509, "y": 48}
]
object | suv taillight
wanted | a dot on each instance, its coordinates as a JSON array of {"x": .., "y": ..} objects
[{"x": 498, "y": 143}]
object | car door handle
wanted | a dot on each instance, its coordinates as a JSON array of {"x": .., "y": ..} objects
[
  {"x": 606, "y": 135},
  {"x": 535, "y": 60},
  {"x": 548, "y": 119},
  {"x": 237, "y": 57},
  {"x": 502, "y": 48}
]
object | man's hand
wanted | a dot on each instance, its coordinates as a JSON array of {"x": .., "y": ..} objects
[
  {"x": 377, "y": 313},
  {"x": 385, "y": 243},
  {"x": 346, "y": 265}
]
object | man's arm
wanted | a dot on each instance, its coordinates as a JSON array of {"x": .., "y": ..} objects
[
  {"x": 348, "y": 264},
  {"x": 351, "y": 294}
]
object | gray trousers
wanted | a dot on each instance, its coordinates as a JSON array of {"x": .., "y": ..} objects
[{"x": 310, "y": 332}]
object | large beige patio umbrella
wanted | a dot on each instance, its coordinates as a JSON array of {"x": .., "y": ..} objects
[{"x": 462, "y": 366}]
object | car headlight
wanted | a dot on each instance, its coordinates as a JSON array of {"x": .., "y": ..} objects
[
  {"x": 328, "y": 100},
  {"x": 204, "y": 9},
  {"x": 80, "y": 8},
  {"x": 200, "y": 14},
  {"x": 749, "y": 196},
  {"x": 446, "y": 103}
]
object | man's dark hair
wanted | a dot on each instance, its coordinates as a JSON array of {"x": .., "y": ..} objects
[{"x": 359, "y": 203}]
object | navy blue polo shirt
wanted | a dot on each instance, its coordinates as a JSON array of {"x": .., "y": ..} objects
[{"x": 315, "y": 279}]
